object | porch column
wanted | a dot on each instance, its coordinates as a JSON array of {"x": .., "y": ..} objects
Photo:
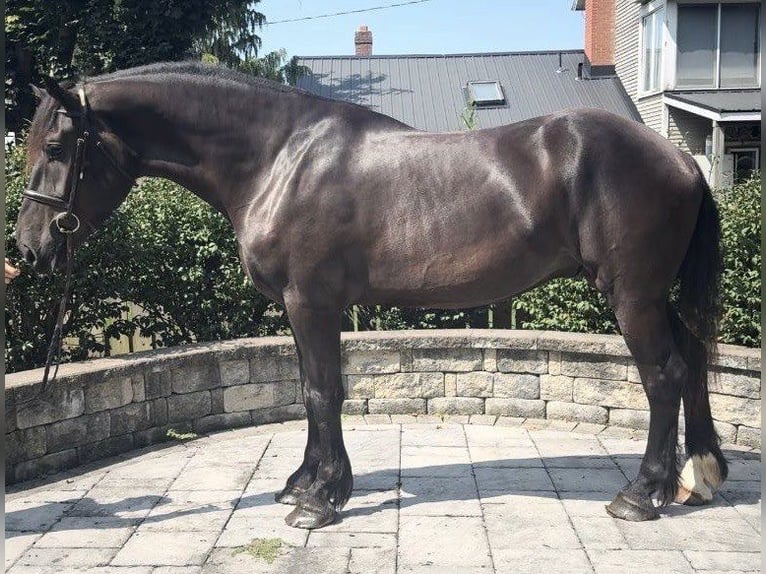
[{"x": 718, "y": 149}]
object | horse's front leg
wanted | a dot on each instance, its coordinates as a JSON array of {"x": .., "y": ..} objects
[{"x": 323, "y": 483}]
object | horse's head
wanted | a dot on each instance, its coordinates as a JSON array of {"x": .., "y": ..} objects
[{"x": 79, "y": 172}]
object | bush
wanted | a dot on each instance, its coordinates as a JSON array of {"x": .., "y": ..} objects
[{"x": 740, "y": 209}]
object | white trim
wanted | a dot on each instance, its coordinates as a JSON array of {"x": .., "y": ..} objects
[
  {"x": 648, "y": 11},
  {"x": 670, "y": 49},
  {"x": 668, "y": 100}
]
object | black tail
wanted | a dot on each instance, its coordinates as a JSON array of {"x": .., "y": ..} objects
[{"x": 697, "y": 330}]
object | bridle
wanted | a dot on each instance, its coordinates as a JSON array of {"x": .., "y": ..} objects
[{"x": 68, "y": 222}]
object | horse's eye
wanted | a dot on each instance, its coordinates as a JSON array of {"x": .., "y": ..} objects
[{"x": 54, "y": 151}]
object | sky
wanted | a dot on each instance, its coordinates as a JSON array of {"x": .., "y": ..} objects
[{"x": 432, "y": 27}]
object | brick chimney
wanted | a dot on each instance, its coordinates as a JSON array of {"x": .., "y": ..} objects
[
  {"x": 599, "y": 36},
  {"x": 363, "y": 41}
]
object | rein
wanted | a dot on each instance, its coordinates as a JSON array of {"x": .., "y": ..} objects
[{"x": 68, "y": 223}]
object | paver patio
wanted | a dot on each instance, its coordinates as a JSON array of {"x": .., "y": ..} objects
[{"x": 520, "y": 496}]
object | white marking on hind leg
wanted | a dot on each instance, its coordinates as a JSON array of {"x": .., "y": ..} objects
[{"x": 701, "y": 477}]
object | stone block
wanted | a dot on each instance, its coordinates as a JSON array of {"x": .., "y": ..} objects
[
  {"x": 490, "y": 360},
  {"x": 456, "y": 406},
  {"x": 405, "y": 358},
  {"x": 518, "y": 386},
  {"x": 78, "y": 431},
  {"x": 158, "y": 411},
  {"x": 108, "y": 394},
  {"x": 728, "y": 432},
  {"x": 158, "y": 384},
  {"x": 25, "y": 444},
  {"x": 396, "y": 406},
  {"x": 130, "y": 418},
  {"x": 522, "y": 361},
  {"x": 139, "y": 389},
  {"x": 274, "y": 368},
  {"x": 192, "y": 378},
  {"x": 739, "y": 384},
  {"x": 447, "y": 360},
  {"x": 371, "y": 362},
  {"x": 450, "y": 385},
  {"x": 221, "y": 422},
  {"x": 736, "y": 410},
  {"x": 47, "y": 464},
  {"x": 396, "y": 386},
  {"x": 575, "y": 412},
  {"x": 216, "y": 401},
  {"x": 554, "y": 362},
  {"x": 189, "y": 406},
  {"x": 236, "y": 372},
  {"x": 633, "y": 375},
  {"x": 355, "y": 407},
  {"x": 150, "y": 436},
  {"x": 105, "y": 448},
  {"x": 629, "y": 418},
  {"x": 475, "y": 384},
  {"x": 64, "y": 403},
  {"x": 258, "y": 396},
  {"x": 620, "y": 394},
  {"x": 516, "y": 408},
  {"x": 556, "y": 387},
  {"x": 594, "y": 366},
  {"x": 278, "y": 414},
  {"x": 747, "y": 436}
]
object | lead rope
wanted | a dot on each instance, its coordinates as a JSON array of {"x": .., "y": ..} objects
[{"x": 56, "y": 345}]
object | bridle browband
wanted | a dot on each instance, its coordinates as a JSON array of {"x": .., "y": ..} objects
[{"x": 68, "y": 223}]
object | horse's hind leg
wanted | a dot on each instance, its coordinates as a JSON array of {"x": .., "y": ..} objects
[
  {"x": 706, "y": 468},
  {"x": 647, "y": 332},
  {"x": 323, "y": 483}
]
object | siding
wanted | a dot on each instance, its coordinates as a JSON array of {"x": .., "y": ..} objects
[
  {"x": 626, "y": 57},
  {"x": 688, "y": 131},
  {"x": 626, "y": 45},
  {"x": 650, "y": 109}
]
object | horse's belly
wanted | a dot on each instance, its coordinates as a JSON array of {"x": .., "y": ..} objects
[{"x": 470, "y": 275}]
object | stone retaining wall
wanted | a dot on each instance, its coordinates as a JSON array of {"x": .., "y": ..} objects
[{"x": 107, "y": 406}]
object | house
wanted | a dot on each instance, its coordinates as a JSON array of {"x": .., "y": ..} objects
[
  {"x": 692, "y": 68},
  {"x": 433, "y": 92}
]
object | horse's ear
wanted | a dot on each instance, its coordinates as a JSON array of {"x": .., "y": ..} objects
[{"x": 67, "y": 99}]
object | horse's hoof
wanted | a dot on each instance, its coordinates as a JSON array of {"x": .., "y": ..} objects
[
  {"x": 625, "y": 509},
  {"x": 289, "y": 495},
  {"x": 689, "y": 498},
  {"x": 310, "y": 518}
]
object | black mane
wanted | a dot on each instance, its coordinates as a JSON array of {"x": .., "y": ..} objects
[{"x": 214, "y": 73}]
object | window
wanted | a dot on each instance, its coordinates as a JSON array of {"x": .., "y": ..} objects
[
  {"x": 651, "y": 51},
  {"x": 745, "y": 163},
  {"x": 717, "y": 46},
  {"x": 485, "y": 93}
]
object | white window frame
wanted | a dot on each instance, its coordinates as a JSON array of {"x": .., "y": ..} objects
[
  {"x": 499, "y": 101},
  {"x": 672, "y": 62},
  {"x": 648, "y": 10}
]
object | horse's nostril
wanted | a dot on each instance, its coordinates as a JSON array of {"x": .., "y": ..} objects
[{"x": 29, "y": 256}]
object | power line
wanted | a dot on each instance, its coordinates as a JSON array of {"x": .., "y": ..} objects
[{"x": 385, "y": 7}]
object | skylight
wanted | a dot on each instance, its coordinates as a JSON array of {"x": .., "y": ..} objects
[{"x": 485, "y": 93}]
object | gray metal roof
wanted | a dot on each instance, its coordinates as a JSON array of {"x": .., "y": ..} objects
[
  {"x": 721, "y": 101},
  {"x": 426, "y": 91}
]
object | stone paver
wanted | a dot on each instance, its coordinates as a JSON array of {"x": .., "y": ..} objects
[{"x": 431, "y": 495}]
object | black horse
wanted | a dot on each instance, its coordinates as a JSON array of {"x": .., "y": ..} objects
[{"x": 334, "y": 204}]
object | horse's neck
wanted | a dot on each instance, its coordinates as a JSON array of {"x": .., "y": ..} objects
[{"x": 210, "y": 138}]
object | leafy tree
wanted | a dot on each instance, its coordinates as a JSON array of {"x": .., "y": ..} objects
[{"x": 69, "y": 39}]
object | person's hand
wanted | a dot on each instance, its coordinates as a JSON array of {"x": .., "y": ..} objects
[{"x": 11, "y": 272}]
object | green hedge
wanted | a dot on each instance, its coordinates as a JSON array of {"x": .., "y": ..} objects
[{"x": 175, "y": 257}]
